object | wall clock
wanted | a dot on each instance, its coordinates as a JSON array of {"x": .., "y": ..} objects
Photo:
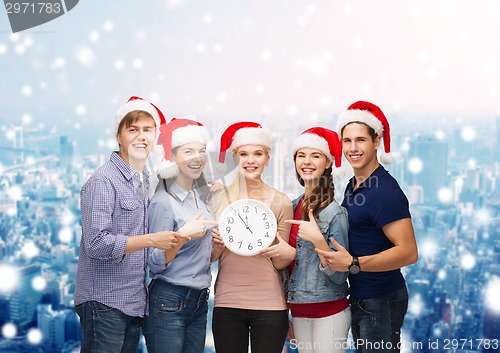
[{"x": 247, "y": 226}]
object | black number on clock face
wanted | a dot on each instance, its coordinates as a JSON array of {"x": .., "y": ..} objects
[
  {"x": 266, "y": 235},
  {"x": 250, "y": 247},
  {"x": 231, "y": 239},
  {"x": 264, "y": 216},
  {"x": 267, "y": 225},
  {"x": 259, "y": 243},
  {"x": 241, "y": 243},
  {"x": 228, "y": 229},
  {"x": 230, "y": 220},
  {"x": 246, "y": 209}
]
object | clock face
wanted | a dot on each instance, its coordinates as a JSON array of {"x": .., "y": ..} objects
[{"x": 247, "y": 226}]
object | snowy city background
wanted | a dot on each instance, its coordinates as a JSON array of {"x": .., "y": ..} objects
[{"x": 432, "y": 66}]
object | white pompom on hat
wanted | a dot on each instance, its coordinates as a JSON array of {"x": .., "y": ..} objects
[
  {"x": 324, "y": 140},
  {"x": 138, "y": 103},
  {"x": 371, "y": 115},
  {"x": 175, "y": 133},
  {"x": 240, "y": 134}
]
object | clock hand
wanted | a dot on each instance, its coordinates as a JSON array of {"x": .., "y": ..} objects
[
  {"x": 246, "y": 217},
  {"x": 246, "y": 225}
]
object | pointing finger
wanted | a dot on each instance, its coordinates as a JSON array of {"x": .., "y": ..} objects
[
  {"x": 294, "y": 221},
  {"x": 208, "y": 222},
  {"x": 336, "y": 245}
]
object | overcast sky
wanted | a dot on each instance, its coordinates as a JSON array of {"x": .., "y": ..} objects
[{"x": 288, "y": 61}]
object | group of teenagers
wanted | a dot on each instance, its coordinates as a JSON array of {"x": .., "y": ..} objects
[{"x": 145, "y": 262}]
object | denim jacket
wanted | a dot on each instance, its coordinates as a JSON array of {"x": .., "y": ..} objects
[{"x": 310, "y": 282}]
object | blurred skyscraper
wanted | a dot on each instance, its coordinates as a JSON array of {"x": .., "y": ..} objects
[
  {"x": 433, "y": 154},
  {"x": 19, "y": 307}
]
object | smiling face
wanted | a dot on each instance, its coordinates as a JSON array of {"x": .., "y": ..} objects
[
  {"x": 359, "y": 148},
  {"x": 251, "y": 160},
  {"x": 136, "y": 139},
  {"x": 190, "y": 158},
  {"x": 311, "y": 164}
]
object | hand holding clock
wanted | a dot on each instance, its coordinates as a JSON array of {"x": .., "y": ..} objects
[
  {"x": 218, "y": 245},
  {"x": 280, "y": 250}
]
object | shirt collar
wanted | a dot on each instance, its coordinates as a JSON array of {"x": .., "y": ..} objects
[
  {"x": 125, "y": 168},
  {"x": 178, "y": 191},
  {"x": 371, "y": 181}
]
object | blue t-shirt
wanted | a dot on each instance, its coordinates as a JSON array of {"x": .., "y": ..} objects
[{"x": 376, "y": 202}]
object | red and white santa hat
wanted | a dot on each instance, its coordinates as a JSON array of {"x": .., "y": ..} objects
[
  {"x": 137, "y": 103},
  {"x": 371, "y": 115},
  {"x": 175, "y": 133},
  {"x": 324, "y": 140},
  {"x": 240, "y": 134}
]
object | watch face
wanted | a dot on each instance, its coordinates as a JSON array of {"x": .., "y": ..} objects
[
  {"x": 354, "y": 269},
  {"x": 247, "y": 226}
]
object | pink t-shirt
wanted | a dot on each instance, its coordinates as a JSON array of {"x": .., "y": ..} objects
[{"x": 253, "y": 283}]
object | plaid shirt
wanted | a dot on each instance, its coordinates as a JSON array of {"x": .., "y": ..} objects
[{"x": 113, "y": 208}]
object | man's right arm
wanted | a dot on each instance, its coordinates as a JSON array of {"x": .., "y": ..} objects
[
  {"x": 97, "y": 204},
  {"x": 164, "y": 240}
]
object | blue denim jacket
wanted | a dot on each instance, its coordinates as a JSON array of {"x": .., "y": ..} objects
[{"x": 310, "y": 282}]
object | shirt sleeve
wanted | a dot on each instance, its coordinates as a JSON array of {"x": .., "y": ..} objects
[
  {"x": 390, "y": 207},
  {"x": 284, "y": 213},
  {"x": 338, "y": 230},
  {"x": 97, "y": 202},
  {"x": 161, "y": 217}
]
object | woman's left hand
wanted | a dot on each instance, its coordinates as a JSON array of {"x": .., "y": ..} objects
[{"x": 218, "y": 245}]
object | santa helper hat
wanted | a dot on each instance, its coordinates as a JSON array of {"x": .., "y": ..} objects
[
  {"x": 324, "y": 140},
  {"x": 240, "y": 134},
  {"x": 178, "y": 132},
  {"x": 371, "y": 115},
  {"x": 137, "y": 103}
]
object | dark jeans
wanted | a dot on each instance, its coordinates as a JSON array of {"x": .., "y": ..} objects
[
  {"x": 107, "y": 330},
  {"x": 376, "y": 322},
  {"x": 177, "y": 320},
  {"x": 267, "y": 330}
]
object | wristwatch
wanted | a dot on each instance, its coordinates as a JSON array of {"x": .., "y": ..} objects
[{"x": 354, "y": 267}]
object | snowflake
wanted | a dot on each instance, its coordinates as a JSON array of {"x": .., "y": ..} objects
[
  {"x": 85, "y": 56},
  {"x": 468, "y": 262},
  {"x": 445, "y": 195},
  {"x": 10, "y": 278},
  {"x": 9, "y": 330},
  {"x": 30, "y": 250},
  {"x": 34, "y": 336},
  {"x": 65, "y": 235},
  {"x": 492, "y": 294},
  {"x": 39, "y": 283},
  {"x": 415, "y": 165},
  {"x": 468, "y": 134}
]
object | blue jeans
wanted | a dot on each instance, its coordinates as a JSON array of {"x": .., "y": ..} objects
[
  {"x": 107, "y": 330},
  {"x": 376, "y": 322},
  {"x": 177, "y": 320}
]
